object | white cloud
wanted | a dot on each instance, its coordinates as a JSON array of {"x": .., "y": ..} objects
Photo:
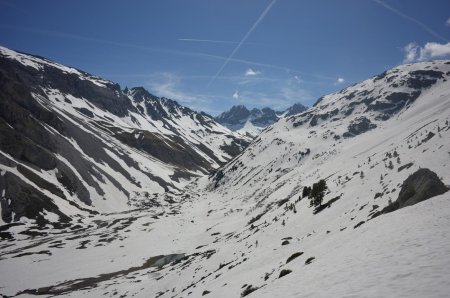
[
  {"x": 170, "y": 85},
  {"x": 340, "y": 81},
  {"x": 251, "y": 72},
  {"x": 236, "y": 95},
  {"x": 431, "y": 50},
  {"x": 167, "y": 85},
  {"x": 448, "y": 22},
  {"x": 434, "y": 50},
  {"x": 411, "y": 52}
]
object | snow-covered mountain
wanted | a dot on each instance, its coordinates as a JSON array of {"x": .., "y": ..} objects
[
  {"x": 72, "y": 143},
  {"x": 296, "y": 108},
  {"x": 253, "y": 121},
  {"x": 382, "y": 229}
]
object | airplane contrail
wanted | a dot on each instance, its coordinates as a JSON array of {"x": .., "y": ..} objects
[
  {"x": 200, "y": 55},
  {"x": 261, "y": 17},
  {"x": 208, "y": 40},
  {"x": 405, "y": 16},
  {"x": 212, "y": 41},
  {"x": 97, "y": 40}
]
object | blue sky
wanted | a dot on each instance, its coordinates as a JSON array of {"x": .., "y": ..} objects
[{"x": 211, "y": 54}]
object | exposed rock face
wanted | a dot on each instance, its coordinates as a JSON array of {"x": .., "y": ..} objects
[
  {"x": 358, "y": 126},
  {"x": 295, "y": 109},
  {"x": 322, "y": 117},
  {"x": 28, "y": 201},
  {"x": 263, "y": 117},
  {"x": 236, "y": 115},
  {"x": 420, "y": 186},
  {"x": 392, "y": 104},
  {"x": 420, "y": 79}
]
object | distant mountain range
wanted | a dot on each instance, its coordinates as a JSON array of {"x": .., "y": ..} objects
[{"x": 253, "y": 121}]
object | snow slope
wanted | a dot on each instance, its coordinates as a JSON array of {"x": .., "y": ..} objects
[{"x": 233, "y": 233}]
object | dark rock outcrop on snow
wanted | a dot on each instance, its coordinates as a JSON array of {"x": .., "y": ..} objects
[
  {"x": 237, "y": 114},
  {"x": 358, "y": 126},
  {"x": 420, "y": 186},
  {"x": 295, "y": 109}
]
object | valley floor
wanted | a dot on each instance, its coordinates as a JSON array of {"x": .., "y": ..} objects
[{"x": 211, "y": 252}]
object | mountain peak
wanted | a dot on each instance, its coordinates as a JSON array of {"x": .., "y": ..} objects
[
  {"x": 237, "y": 109},
  {"x": 295, "y": 109},
  {"x": 140, "y": 93}
]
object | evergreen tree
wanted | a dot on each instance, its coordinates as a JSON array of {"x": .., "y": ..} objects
[
  {"x": 318, "y": 192},
  {"x": 390, "y": 166},
  {"x": 306, "y": 191}
]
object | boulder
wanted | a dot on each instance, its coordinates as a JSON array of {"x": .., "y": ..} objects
[{"x": 420, "y": 186}]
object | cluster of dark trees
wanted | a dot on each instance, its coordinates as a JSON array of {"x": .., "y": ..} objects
[
  {"x": 290, "y": 206},
  {"x": 315, "y": 193}
]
